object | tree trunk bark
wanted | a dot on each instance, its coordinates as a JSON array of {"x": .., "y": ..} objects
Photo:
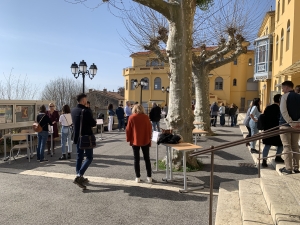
[
  {"x": 179, "y": 49},
  {"x": 201, "y": 111}
]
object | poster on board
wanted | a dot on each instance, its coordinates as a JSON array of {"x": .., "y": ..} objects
[{"x": 24, "y": 111}]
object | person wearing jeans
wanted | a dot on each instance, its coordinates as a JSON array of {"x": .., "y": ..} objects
[
  {"x": 254, "y": 114},
  {"x": 155, "y": 115},
  {"x": 88, "y": 122},
  {"x": 138, "y": 134},
  {"x": 222, "y": 114},
  {"x": 44, "y": 121},
  {"x": 66, "y": 121},
  {"x": 120, "y": 114}
]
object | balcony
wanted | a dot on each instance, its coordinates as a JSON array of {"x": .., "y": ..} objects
[{"x": 145, "y": 70}]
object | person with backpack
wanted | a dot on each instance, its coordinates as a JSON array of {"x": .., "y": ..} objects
[
  {"x": 254, "y": 114},
  {"x": 271, "y": 120}
]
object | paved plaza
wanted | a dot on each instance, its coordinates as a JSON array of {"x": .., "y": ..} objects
[{"x": 35, "y": 193}]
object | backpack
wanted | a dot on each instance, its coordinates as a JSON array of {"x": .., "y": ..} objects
[{"x": 261, "y": 122}]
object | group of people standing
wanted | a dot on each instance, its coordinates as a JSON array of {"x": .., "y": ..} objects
[
  {"x": 215, "y": 110},
  {"x": 284, "y": 112}
]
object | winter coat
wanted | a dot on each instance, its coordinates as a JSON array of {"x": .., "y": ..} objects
[
  {"x": 155, "y": 114},
  {"x": 272, "y": 115}
]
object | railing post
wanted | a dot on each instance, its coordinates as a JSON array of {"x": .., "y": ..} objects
[
  {"x": 211, "y": 186},
  {"x": 259, "y": 153}
]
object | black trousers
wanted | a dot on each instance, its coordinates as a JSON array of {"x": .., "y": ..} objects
[
  {"x": 136, "y": 154},
  {"x": 249, "y": 131}
]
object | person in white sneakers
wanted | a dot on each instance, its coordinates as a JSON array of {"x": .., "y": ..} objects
[{"x": 138, "y": 134}]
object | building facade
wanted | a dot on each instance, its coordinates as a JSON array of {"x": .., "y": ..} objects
[
  {"x": 230, "y": 83},
  {"x": 279, "y": 29}
]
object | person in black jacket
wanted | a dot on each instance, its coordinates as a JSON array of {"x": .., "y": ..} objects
[
  {"x": 44, "y": 121},
  {"x": 272, "y": 115},
  {"x": 120, "y": 114},
  {"x": 155, "y": 115},
  {"x": 87, "y": 123},
  {"x": 231, "y": 113}
]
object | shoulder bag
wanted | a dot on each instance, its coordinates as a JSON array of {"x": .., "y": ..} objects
[
  {"x": 37, "y": 127},
  {"x": 86, "y": 141}
]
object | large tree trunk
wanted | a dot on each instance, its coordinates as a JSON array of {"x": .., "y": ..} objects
[
  {"x": 201, "y": 111},
  {"x": 179, "y": 49}
]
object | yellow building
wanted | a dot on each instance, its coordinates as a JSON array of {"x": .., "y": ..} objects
[
  {"x": 231, "y": 83},
  {"x": 278, "y": 32}
]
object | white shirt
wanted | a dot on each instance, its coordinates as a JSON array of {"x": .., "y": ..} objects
[
  {"x": 65, "y": 119},
  {"x": 222, "y": 109}
]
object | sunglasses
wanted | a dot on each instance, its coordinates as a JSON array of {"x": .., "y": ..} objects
[{"x": 51, "y": 105}]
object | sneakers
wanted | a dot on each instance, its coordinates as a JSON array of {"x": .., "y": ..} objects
[
  {"x": 253, "y": 150},
  {"x": 69, "y": 155},
  {"x": 264, "y": 163},
  {"x": 79, "y": 181},
  {"x": 283, "y": 170},
  {"x": 149, "y": 179},
  {"x": 44, "y": 160},
  {"x": 279, "y": 159},
  {"x": 138, "y": 180},
  {"x": 63, "y": 157},
  {"x": 296, "y": 171}
]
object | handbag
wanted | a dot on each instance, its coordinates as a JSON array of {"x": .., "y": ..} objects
[
  {"x": 37, "y": 127},
  {"x": 86, "y": 141}
]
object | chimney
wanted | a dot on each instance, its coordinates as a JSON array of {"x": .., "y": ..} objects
[{"x": 104, "y": 89}]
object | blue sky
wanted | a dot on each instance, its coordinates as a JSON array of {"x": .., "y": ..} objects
[{"x": 42, "y": 38}]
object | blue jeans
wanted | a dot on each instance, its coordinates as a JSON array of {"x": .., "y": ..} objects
[
  {"x": 267, "y": 148},
  {"x": 222, "y": 119},
  {"x": 81, "y": 168},
  {"x": 232, "y": 118},
  {"x": 154, "y": 125},
  {"x": 254, "y": 131},
  {"x": 65, "y": 136},
  {"x": 42, "y": 139},
  {"x": 120, "y": 123}
]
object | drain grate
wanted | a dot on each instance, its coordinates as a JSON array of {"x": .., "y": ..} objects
[{"x": 247, "y": 165}]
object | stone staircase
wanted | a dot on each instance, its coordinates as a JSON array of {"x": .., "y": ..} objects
[{"x": 271, "y": 199}]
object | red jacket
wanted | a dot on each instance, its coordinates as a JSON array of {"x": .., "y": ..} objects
[{"x": 138, "y": 130}]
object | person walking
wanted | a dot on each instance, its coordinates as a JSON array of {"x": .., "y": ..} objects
[
  {"x": 54, "y": 117},
  {"x": 236, "y": 114},
  {"x": 128, "y": 111},
  {"x": 138, "y": 134},
  {"x": 120, "y": 114},
  {"x": 289, "y": 112},
  {"x": 271, "y": 120},
  {"x": 222, "y": 114},
  {"x": 66, "y": 121},
  {"x": 214, "y": 109},
  {"x": 231, "y": 113},
  {"x": 87, "y": 123},
  {"x": 165, "y": 110},
  {"x": 254, "y": 114},
  {"x": 111, "y": 114},
  {"x": 246, "y": 122},
  {"x": 44, "y": 120},
  {"x": 155, "y": 115}
]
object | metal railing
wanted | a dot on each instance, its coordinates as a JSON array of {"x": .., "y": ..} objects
[{"x": 262, "y": 135}]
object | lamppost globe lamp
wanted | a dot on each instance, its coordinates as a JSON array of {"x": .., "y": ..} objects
[
  {"x": 163, "y": 89},
  {"x": 143, "y": 83},
  {"x": 83, "y": 71}
]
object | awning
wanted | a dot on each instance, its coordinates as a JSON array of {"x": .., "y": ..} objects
[{"x": 295, "y": 68}]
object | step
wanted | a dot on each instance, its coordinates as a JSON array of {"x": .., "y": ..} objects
[
  {"x": 228, "y": 207},
  {"x": 283, "y": 199},
  {"x": 254, "y": 209}
]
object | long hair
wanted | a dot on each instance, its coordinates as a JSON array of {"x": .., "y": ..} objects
[
  {"x": 138, "y": 109},
  {"x": 66, "y": 109},
  {"x": 255, "y": 102},
  {"x": 110, "y": 106}
]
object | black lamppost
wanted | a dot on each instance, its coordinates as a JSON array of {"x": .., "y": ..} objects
[
  {"x": 83, "y": 71},
  {"x": 167, "y": 92},
  {"x": 143, "y": 83}
]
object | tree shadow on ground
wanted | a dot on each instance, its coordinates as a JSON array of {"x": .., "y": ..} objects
[
  {"x": 231, "y": 169},
  {"x": 143, "y": 192}
]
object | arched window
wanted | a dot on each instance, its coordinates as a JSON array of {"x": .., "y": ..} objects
[
  {"x": 132, "y": 87},
  {"x": 252, "y": 85},
  {"x": 281, "y": 46},
  {"x": 250, "y": 62},
  {"x": 155, "y": 62},
  {"x": 234, "y": 82},
  {"x": 147, "y": 87},
  {"x": 219, "y": 83},
  {"x": 283, "y": 3},
  {"x": 157, "y": 83},
  {"x": 288, "y": 31},
  {"x": 278, "y": 10},
  {"x": 126, "y": 84},
  {"x": 276, "y": 56}
]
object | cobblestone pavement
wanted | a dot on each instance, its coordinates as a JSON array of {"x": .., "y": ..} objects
[{"x": 35, "y": 193}]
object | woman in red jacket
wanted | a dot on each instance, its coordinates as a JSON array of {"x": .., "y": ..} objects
[{"x": 138, "y": 134}]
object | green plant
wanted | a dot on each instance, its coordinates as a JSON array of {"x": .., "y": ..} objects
[{"x": 189, "y": 168}]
